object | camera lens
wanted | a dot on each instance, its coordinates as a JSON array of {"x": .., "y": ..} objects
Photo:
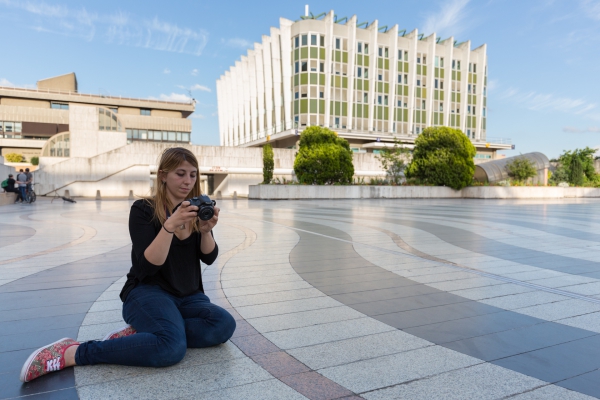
[{"x": 206, "y": 213}]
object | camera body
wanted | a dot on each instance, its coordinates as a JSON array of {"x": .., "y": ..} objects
[{"x": 206, "y": 206}]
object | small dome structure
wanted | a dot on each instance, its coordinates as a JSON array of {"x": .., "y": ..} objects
[{"x": 495, "y": 171}]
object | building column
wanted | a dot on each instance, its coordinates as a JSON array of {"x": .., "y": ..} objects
[
  {"x": 448, "y": 56},
  {"x": 286, "y": 70},
  {"x": 246, "y": 98},
  {"x": 253, "y": 95},
  {"x": 412, "y": 80},
  {"x": 393, "y": 82},
  {"x": 260, "y": 89},
  {"x": 329, "y": 46},
  {"x": 480, "y": 57},
  {"x": 464, "y": 74},
  {"x": 430, "y": 79},
  {"x": 277, "y": 84},
  {"x": 373, "y": 71},
  {"x": 240, "y": 103},
  {"x": 351, "y": 24},
  {"x": 268, "y": 79}
]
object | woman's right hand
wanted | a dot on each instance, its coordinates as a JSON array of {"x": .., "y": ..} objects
[{"x": 185, "y": 213}]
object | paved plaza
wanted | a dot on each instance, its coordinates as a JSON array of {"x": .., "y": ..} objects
[{"x": 373, "y": 299}]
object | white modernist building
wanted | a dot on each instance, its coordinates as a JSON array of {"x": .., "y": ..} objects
[{"x": 369, "y": 83}]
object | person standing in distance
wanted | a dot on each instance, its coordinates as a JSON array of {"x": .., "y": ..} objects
[
  {"x": 163, "y": 299},
  {"x": 22, "y": 182}
]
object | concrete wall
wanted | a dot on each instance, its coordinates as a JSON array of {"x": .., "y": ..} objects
[
  {"x": 301, "y": 192},
  {"x": 82, "y": 176},
  {"x": 86, "y": 139}
]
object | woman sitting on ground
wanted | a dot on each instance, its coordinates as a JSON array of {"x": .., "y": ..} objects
[{"x": 163, "y": 299}]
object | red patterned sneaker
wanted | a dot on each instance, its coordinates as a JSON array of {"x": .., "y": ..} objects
[
  {"x": 46, "y": 359},
  {"x": 127, "y": 330}
]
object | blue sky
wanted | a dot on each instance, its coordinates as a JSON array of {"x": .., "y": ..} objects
[{"x": 543, "y": 55}]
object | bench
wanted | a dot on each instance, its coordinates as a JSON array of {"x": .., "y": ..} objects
[{"x": 7, "y": 198}]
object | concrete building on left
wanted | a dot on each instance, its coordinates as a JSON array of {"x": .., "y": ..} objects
[{"x": 32, "y": 119}]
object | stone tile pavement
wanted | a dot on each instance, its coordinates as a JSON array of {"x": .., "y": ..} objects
[{"x": 373, "y": 299}]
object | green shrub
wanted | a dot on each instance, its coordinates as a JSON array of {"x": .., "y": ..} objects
[
  {"x": 35, "y": 160},
  {"x": 576, "y": 173},
  {"x": 13, "y": 157},
  {"x": 392, "y": 161},
  {"x": 323, "y": 158},
  {"x": 563, "y": 172},
  {"x": 443, "y": 156},
  {"x": 521, "y": 169},
  {"x": 268, "y": 164}
]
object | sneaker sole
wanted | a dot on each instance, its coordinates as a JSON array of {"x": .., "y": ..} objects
[
  {"x": 32, "y": 356},
  {"x": 113, "y": 332}
]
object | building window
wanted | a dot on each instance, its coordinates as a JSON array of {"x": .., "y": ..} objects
[
  {"x": 436, "y": 83},
  {"x": 484, "y": 112},
  {"x": 296, "y": 42},
  {"x": 423, "y": 105},
  {"x": 313, "y": 40},
  {"x": 157, "y": 136},
  {"x": 337, "y": 43},
  {"x": 322, "y": 41},
  {"x": 366, "y": 73},
  {"x": 380, "y": 77},
  {"x": 359, "y": 72},
  {"x": 366, "y": 48},
  {"x": 304, "y": 40},
  {"x": 359, "y": 48},
  {"x": 385, "y": 100},
  {"x": 304, "y": 66},
  {"x": 322, "y": 67},
  {"x": 418, "y": 82},
  {"x": 418, "y": 60},
  {"x": 59, "y": 106},
  {"x": 365, "y": 98},
  {"x": 108, "y": 121},
  {"x": 296, "y": 67},
  {"x": 144, "y": 111}
]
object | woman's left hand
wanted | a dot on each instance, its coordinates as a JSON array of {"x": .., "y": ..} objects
[{"x": 207, "y": 226}]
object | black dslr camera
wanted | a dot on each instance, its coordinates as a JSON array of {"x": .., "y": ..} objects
[{"x": 206, "y": 206}]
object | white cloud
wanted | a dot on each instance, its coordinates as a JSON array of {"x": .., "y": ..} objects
[
  {"x": 197, "y": 116},
  {"x": 5, "y": 82},
  {"x": 449, "y": 21},
  {"x": 167, "y": 71},
  {"x": 175, "y": 97},
  {"x": 119, "y": 27},
  {"x": 200, "y": 88},
  {"x": 591, "y": 8},
  {"x": 549, "y": 102},
  {"x": 590, "y": 129},
  {"x": 237, "y": 42},
  {"x": 194, "y": 72}
]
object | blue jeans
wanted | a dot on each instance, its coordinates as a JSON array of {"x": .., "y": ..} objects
[
  {"x": 166, "y": 326},
  {"x": 22, "y": 191}
]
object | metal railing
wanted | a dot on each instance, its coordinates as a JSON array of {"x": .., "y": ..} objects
[
  {"x": 497, "y": 140},
  {"x": 70, "y": 93}
]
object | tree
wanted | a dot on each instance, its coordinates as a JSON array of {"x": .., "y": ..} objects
[
  {"x": 13, "y": 157},
  {"x": 323, "y": 158},
  {"x": 521, "y": 169},
  {"x": 35, "y": 160},
  {"x": 443, "y": 156},
  {"x": 392, "y": 161},
  {"x": 565, "y": 163},
  {"x": 268, "y": 164},
  {"x": 576, "y": 174}
]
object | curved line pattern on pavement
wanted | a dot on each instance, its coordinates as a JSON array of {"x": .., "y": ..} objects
[{"x": 464, "y": 334}]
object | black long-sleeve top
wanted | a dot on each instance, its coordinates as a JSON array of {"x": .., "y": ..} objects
[{"x": 181, "y": 273}]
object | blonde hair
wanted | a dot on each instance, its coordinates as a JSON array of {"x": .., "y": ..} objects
[{"x": 169, "y": 161}]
